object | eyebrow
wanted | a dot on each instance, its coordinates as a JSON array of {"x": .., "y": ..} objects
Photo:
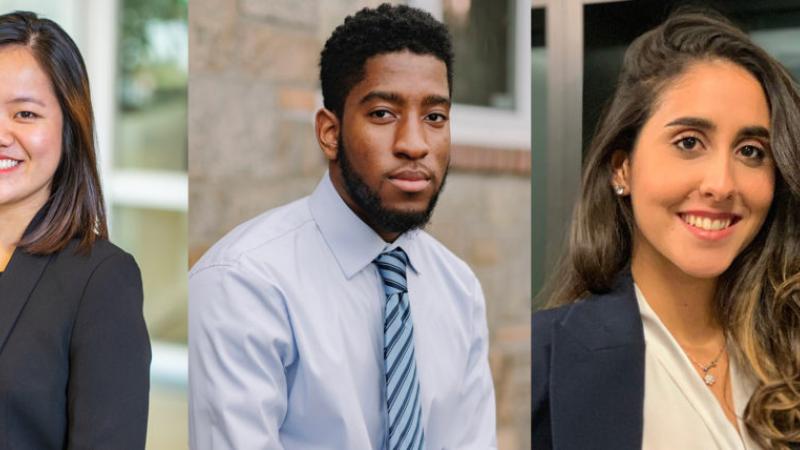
[
  {"x": 752, "y": 132},
  {"x": 25, "y": 99},
  {"x": 392, "y": 97},
  {"x": 434, "y": 100},
  {"x": 694, "y": 122},
  {"x": 755, "y": 131}
]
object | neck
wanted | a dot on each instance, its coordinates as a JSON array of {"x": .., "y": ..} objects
[{"x": 685, "y": 304}]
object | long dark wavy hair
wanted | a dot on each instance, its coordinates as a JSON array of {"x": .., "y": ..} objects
[
  {"x": 75, "y": 209},
  {"x": 758, "y": 297}
]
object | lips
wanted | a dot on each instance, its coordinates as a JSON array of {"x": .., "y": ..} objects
[{"x": 410, "y": 180}]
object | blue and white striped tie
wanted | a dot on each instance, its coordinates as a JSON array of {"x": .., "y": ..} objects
[{"x": 402, "y": 385}]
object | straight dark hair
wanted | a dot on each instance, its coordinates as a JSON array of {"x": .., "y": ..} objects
[
  {"x": 75, "y": 208},
  {"x": 758, "y": 296}
]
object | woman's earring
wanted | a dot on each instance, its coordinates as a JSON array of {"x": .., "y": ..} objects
[{"x": 618, "y": 189}]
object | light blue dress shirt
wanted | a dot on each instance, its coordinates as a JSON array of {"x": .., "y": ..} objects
[{"x": 286, "y": 336}]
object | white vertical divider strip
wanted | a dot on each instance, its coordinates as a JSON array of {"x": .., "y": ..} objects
[
  {"x": 100, "y": 54},
  {"x": 522, "y": 65}
]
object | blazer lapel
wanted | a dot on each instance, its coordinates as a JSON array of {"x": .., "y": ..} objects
[
  {"x": 17, "y": 282},
  {"x": 597, "y": 378}
]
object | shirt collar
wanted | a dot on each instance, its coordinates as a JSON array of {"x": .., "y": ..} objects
[{"x": 353, "y": 243}]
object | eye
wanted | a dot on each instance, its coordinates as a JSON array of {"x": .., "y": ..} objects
[
  {"x": 753, "y": 153},
  {"x": 436, "y": 117},
  {"x": 687, "y": 143},
  {"x": 381, "y": 114},
  {"x": 26, "y": 115}
]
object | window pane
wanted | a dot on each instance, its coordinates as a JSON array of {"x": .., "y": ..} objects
[
  {"x": 483, "y": 44},
  {"x": 151, "y": 90},
  {"x": 157, "y": 239}
]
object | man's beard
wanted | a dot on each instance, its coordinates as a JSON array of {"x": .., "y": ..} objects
[{"x": 368, "y": 200}]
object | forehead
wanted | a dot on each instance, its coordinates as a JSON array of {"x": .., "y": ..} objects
[
  {"x": 20, "y": 72},
  {"x": 404, "y": 73},
  {"x": 719, "y": 90}
]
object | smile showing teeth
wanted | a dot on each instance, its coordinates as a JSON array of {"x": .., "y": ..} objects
[
  {"x": 8, "y": 163},
  {"x": 704, "y": 223}
]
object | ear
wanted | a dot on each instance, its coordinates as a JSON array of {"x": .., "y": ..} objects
[
  {"x": 327, "y": 128},
  {"x": 621, "y": 166}
]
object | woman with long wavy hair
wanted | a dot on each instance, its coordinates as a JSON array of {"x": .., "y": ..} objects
[
  {"x": 675, "y": 314},
  {"x": 74, "y": 350}
]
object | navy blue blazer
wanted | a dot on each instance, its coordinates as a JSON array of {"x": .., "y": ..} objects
[{"x": 588, "y": 373}]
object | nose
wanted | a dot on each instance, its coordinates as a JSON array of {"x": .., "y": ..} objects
[
  {"x": 6, "y": 137},
  {"x": 410, "y": 140},
  {"x": 718, "y": 181}
]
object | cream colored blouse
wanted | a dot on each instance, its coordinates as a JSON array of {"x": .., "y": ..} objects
[{"x": 680, "y": 412}]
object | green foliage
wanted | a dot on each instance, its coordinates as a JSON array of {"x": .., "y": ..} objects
[{"x": 136, "y": 14}]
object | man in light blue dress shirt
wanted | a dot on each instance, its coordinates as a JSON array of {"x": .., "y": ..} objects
[{"x": 287, "y": 312}]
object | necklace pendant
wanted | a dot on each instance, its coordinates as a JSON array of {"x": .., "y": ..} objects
[{"x": 709, "y": 379}]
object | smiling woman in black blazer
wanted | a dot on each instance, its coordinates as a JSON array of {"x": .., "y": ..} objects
[
  {"x": 74, "y": 350},
  {"x": 676, "y": 319}
]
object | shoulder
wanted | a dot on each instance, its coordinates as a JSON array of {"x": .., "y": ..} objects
[
  {"x": 247, "y": 262},
  {"x": 257, "y": 235},
  {"x": 543, "y": 327},
  {"x": 107, "y": 253},
  {"x": 73, "y": 264},
  {"x": 598, "y": 321},
  {"x": 544, "y": 337},
  {"x": 112, "y": 272},
  {"x": 543, "y": 322},
  {"x": 103, "y": 281}
]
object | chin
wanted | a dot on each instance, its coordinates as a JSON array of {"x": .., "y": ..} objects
[
  {"x": 704, "y": 268},
  {"x": 405, "y": 208}
]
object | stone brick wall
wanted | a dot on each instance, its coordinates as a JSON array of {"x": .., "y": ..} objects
[{"x": 253, "y": 91}]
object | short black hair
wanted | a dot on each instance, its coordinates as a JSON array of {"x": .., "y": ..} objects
[{"x": 371, "y": 32}]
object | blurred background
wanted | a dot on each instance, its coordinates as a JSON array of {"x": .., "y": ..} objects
[
  {"x": 253, "y": 94},
  {"x": 577, "y": 48},
  {"x": 136, "y": 52}
]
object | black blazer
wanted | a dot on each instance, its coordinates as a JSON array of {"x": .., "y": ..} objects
[
  {"x": 588, "y": 373},
  {"x": 74, "y": 351}
]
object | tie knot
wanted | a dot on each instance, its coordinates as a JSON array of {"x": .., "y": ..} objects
[{"x": 392, "y": 267}]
